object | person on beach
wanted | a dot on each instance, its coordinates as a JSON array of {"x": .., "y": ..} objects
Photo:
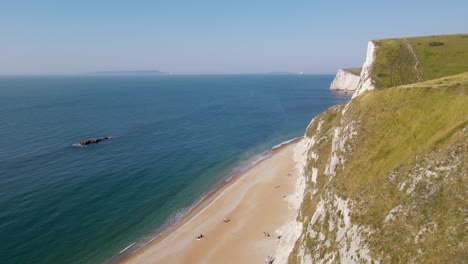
[
  {"x": 226, "y": 220},
  {"x": 269, "y": 260}
]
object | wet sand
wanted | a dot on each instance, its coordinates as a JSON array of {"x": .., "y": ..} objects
[{"x": 255, "y": 202}]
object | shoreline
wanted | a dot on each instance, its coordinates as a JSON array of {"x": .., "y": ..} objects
[{"x": 200, "y": 204}]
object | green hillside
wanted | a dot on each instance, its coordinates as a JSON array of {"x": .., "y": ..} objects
[
  {"x": 355, "y": 71},
  {"x": 410, "y": 60},
  {"x": 391, "y": 173}
]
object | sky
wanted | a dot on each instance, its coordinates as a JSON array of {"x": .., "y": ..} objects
[{"x": 209, "y": 37}]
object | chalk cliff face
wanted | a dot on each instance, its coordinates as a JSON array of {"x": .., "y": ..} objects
[
  {"x": 366, "y": 83},
  {"x": 345, "y": 80},
  {"x": 386, "y": 176}
]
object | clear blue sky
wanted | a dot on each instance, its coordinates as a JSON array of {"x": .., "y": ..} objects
[{"x": 239, "y": 36}]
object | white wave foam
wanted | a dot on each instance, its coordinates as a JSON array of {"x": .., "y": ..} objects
[
  {"x": 283, "y": 143},
  {"x": 171, "y": 221},
  {"x": 123, "y": 250}
]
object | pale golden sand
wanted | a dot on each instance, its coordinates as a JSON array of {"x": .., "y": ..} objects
[{"x": 253, "y": 205}]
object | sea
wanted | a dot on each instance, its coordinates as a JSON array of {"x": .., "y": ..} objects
[{"x": 173, "y": 138}]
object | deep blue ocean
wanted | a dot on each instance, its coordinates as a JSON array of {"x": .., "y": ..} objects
[{"x": 173, "y": 138}]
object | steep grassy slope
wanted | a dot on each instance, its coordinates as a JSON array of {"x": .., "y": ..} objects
[
  {"x": 387, "y": 178},
  {"x": 410, "y": 60}
]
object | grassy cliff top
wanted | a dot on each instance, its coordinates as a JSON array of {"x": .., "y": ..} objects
[
  {"x": 402, "y": 168},
  {"x": 406, "y": 121},
  {"x": 402, "y": 61},
  {"x": 399, "y": 123},
  {"x": 355, "y": 71}
]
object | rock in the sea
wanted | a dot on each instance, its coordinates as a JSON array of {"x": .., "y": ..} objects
[{"x": 92, "y": 140}]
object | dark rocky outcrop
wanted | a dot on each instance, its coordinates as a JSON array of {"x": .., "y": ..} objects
[{"x": 92, "y": 140}]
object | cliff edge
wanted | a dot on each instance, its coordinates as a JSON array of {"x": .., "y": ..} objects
[
  {"x": 399, "y": 61},
  {"x": 386, "y": 173}
]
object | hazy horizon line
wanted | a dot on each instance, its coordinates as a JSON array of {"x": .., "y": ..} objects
[{"x": 129, "y": 73}]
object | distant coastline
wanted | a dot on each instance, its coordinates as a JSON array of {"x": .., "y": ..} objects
[{"x": 127, "y": 73}]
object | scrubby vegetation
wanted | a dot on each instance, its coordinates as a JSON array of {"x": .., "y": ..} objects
[{"x": 435, "y": 43}]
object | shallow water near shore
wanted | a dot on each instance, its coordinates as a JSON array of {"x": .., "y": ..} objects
[{"x": 173, "y": 138}]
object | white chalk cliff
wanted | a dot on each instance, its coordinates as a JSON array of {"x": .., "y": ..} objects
[
  {"x": 368, "y": 196},
  {"x": 379, "y": 218},
  {"x": 345, "y": 80},
  {"x": 365, "y": 82}
]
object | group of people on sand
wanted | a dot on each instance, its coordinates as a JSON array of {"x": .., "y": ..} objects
[
  {"x": 266, "y": 234},
  {"x": 225, "y": 220},
  {"x": 270, "y": 259}
]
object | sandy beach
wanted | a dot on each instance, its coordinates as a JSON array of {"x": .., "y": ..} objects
[{"x": 257, "y": 202}]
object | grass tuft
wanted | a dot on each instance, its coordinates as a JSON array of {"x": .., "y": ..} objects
[{"x": 435, "y": 43}]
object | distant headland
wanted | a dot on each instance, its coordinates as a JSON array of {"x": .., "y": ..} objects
[{"x": 128, "y": 73}]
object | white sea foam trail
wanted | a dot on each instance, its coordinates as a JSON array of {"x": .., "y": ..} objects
[
  {"x": 123, "y": 250},
  {"x": 228, "y": 179},
  {"x": 249, "y": 163},
  {"x": 284, "y": 143}
]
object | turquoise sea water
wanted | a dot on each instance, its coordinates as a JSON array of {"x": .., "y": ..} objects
[{"x": 173, "y": 139}]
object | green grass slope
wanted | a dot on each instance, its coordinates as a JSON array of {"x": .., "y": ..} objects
[
  {"x": 410, "y": 60},
  {"x": 403, "y": 170},
  {"x": 355, "y": 71}
]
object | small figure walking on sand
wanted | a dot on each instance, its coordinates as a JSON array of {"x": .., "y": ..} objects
[
  {"x": 200, "y": 237},
  {"x": 269, "y": 260},
  {"x": 226, "y": 220}
]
